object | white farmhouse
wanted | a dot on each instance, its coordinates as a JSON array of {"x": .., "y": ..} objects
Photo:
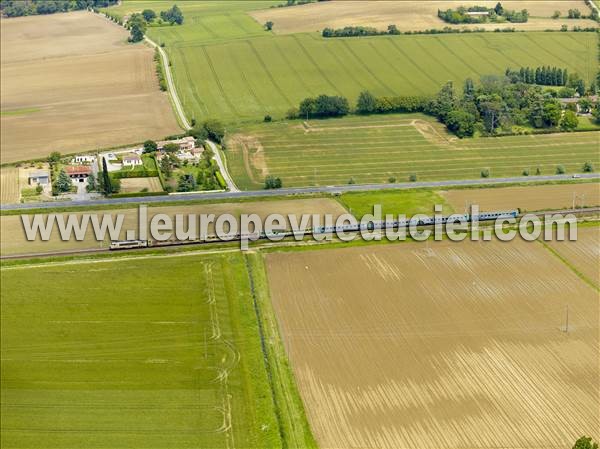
[
  {"x": 84, "y": 159},
  {"x": 132, "y": 160}
]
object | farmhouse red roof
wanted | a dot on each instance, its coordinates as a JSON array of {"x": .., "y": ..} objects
[{"x": 78, "y": 170}]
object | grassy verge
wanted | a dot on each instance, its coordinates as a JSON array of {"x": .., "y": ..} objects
[
  {"x": 167, "y": 202},
  {"x": 572, "y": 267},
  {"x": 393, "y": 202},
  {"x": 294, "y": 427}
]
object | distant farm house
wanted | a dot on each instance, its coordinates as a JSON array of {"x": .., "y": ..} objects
[
  {"x": 84, "y": 159},
  {"x": 78, "y": 171},
  {"x": 185, "y": 143},
  {"x": 132, "y": 160},
  {"x": 478, "y": 13}
]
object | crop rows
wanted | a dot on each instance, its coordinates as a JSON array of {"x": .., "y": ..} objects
[
  {"x": 380, "y": 149},
  {"x": 245, "y": 79}
]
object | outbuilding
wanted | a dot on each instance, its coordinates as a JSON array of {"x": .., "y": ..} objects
[{"x": 39, "y": 177}]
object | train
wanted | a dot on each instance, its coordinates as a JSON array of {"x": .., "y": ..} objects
[{"x": 353, "y": 227}]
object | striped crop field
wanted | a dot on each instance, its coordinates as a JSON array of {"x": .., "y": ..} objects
[
  {"x": 227, "y": 66},
  {"x": 245, "y": 79},
  {"x": 376, "y": 148},
  {"x": 131, "y": 360}
]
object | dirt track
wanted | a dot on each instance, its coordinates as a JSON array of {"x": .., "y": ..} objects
[{"x": 446, "y": 346}]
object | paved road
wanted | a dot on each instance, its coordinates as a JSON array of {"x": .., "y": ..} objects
[{"x": 296, "y": 191}]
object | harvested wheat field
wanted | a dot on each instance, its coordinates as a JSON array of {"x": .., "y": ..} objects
[
  {"x": 13, "y": 240},
  {"x": 9, "y": 185},
  {"x": 70, "y": 82},
  {"x": 451, "y": 345},
  {"x": 584, "y": 254},
  {"x": 411, "y": 15},
  {"x": 530, "y": 198}
]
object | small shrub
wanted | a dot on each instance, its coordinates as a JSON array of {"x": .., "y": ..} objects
[
  {"x": 352, "y": 180},
  {"x": 560, "y": 170},
  {"x": 526, "y": 172},
  {"x": 588, "y": 167},
  {"x": 485, "y": 173},
  {"x": 392, "y": 179},
  {"x": 412, "y": 177},
  {"x": 268, "y": 118}
]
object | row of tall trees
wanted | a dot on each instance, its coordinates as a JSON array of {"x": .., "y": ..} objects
[{"x": 547, "y": 76}]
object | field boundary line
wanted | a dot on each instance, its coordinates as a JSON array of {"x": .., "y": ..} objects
[
  {"x": 455, "y": 54},
  {"x": 190, "y": 83},
  {"x": 218, "y": 81},
  {"x": 350, "y": 73},
  {"x": 367, "y": 68},
  {"x": 414, "y": 64},
  {"x": 250, "y": 88},
  {"x": 438, "y": 59},
  {"x": 395, "y": 69},
  {"x": 492, "y": 61},
  {"x": 268, "y": 72},
  {"x": 312, "y": 61},
  {"x": 569, "y": 265},
  {"x": 287, "y": 62}
]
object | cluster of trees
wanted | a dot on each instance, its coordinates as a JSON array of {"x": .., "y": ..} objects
[
  {"x": 367, "y": 103},
  {"x": 209, "y": 129},
  {"x": 271, "y": 182},
  {"x": 321, "y": 106},
  {"x": 138, "y": 22},
  {"x": 497, "y": 14},
  {"x": 496, "y": 105},
  {"x": 546, "y": 76},
  {"x": 574, "y": 14},
  {"x": 17, "y": 8},
  {"x": 62, "y": 184},
  {"x": 205, "y": 177}
]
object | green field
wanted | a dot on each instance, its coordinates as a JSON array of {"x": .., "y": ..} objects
[
  {"x": 375, "y": 148},
  {"x": 145, "y": 353},
  {"x": 226, "y": 66}
]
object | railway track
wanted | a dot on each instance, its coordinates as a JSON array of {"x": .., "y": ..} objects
[{"x": 171, "y": 245}]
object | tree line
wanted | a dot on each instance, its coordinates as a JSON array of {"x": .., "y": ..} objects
[
  {"x": 483, "y": 14},
  {"x": 18, "y": 8},
  {"x": 545, "y": 76},
  {"x": 496, "y": 105}
]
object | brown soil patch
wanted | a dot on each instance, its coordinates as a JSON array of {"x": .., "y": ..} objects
[
  {"x": 79, "y": 86},
  {"x": 253, "y": 155},
  {"x": 455, "y": 345},
  {"x": 531, "y": 198},
  {"x": 409, "y": 15}
]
